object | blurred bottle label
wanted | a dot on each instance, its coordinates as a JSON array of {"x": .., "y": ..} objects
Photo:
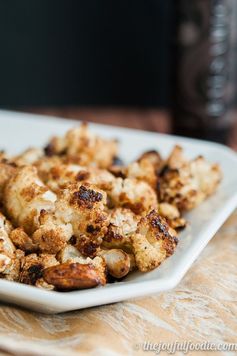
[{"x": 205, "y": 66}]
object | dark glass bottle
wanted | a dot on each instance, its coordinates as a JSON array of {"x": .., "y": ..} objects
[{"x": 205, "y": 68}]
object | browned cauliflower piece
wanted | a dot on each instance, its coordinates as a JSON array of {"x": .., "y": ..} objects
[
  {"x": 7, "y": 170},
  {"x": 81, "y": 146},
  {"x": 145, "y": 168},
  {"x": 28, "y": 157},
  {"x": 153, "y": 157},
  {"x": 31, "y": 205},
  {"x": 176, "y": 158},
  {"x": 32, "y": 267},
  {"x": 135, "y": 195},
  {"x": 12, "y": 272},
  {"x": 22, "y": 241},
  {"x": 186, "y": 184},
  {"x": 7, "y": 249},
  {"x": 172, "y": 215},
  {"x": 9, "y": 256},
  {"x": 79, "y": 211},
  {"x": 123, "y": 223},
  {"x": 142, "y": 171},
  {"x": 3, "y": 155},
  {"x": 153, "y": 241},
  {"x": 88, "y": 246},
  {"x": 25, "y": 196},
  {"x": 84, "y": 205},
  {"x": 53, "y": 232},
  {"x": 57, "y": 174}
]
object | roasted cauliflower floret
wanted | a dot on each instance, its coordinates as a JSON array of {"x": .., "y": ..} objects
[
  {"x": 57, "y": 174},
  {"x": 7, "y": 249},
  {"x": 172, "y": 215},
  {"x": 24, "y": 198},
  {"x": 79, "y": 211},
  {"x": 53, "y": 232},
  {"x": 176, "y": 158},
  {"x": 186, "y": 184},
  {"x": 84, "y": 206},
  {"x": 145, "y": 168},
  {"x": 142, "y": 171},
  {"x": 32, "y": 267},
  {"x": 28, "y": 157},
  {"x": 12, "y": 272},
  {"x": 7, "y": 170},
  {"x": 31, "y": 205},
  {"x": 132, "y": 194},
  {"x": 153, "y": 241},
  {"x": 9, "y": 256},
  {"x": 22, "y": 241},
  {"x": 81, "y": 146},
  {"x": 123, "y": 223},
  {"x": 153, "y": 157}
]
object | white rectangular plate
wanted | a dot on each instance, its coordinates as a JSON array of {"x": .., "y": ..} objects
[{"x": 19, "y": 131}]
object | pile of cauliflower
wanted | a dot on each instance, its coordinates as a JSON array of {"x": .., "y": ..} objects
[{"x": 73, "y": 216}]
